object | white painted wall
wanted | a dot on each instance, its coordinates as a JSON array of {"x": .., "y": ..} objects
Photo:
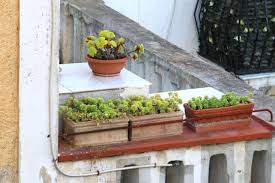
[
  {"x": 39, "y": 21},
  {"x": 173, "y": 20}
]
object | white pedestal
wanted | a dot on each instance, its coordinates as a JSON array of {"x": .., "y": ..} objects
[{"x": 78, "y": 80}]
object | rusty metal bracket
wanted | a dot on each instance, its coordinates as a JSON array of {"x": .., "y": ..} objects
[{"x": 265, "y": 110}]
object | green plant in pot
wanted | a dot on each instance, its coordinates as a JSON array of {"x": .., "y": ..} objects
[
  {"x": 94, "y": 121},
  {"x": 204, "y": 114},
  {"x": 154, "y": 117},
  {"x": 107, "y": 55}
]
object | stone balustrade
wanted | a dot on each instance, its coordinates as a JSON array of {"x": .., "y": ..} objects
[{"x": 238, "y": 162}]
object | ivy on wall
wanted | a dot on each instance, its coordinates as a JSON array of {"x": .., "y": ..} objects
[{"x": 239, "y": 35}]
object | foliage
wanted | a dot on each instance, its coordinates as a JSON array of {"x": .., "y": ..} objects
[
  {"x": 229, "y": 99},
  {"x": 98, "y": 109},
  {"x": 106, "y": 47},
  {"x": 89, "y": 108},
  {"x": 139, "y": 105}
]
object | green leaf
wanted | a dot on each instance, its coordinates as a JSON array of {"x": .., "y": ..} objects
[
  {"x": 135, "y": 56},
  {"x": 265, "y": 29},
  {"x": 89, "y": 39},
  {"x": 112, "y": 44},
  {"x": 273, "y": 19},
  {"x": 90, "y": 43},
  {"x": 101, "y": 42},
  {"x": 107, "y": 34},
  {"x": 92, "y": 51},
  {"x": 120, "y": 41}
]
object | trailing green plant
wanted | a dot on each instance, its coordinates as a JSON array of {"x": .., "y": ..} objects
[
  {"x": 228, "y": 99},
  {"x": 105, "y": 46},
  {"x": 90, "y": 108},
  {"x": 140, "y": 105}
]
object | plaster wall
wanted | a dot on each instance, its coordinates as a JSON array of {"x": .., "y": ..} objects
[
  {"x": 38, "y": 26},
  {"x": 9, "y": 90},
  {"x": 172, "y": 20}
]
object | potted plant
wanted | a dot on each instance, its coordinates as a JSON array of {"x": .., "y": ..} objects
[
  {"x": 208, "y": 114},
  {"x": 93, "y": 121},
  {"x": 107, "y": 55},
  {"x": 154, "y": 117}
]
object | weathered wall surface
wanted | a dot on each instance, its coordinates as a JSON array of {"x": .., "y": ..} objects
[
  {"x": 172, "y": 20},
  {"x": 8, "y": 90}
]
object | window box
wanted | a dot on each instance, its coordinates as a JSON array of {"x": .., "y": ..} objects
[
  {"x": 155, "y": 125},
  {"x": 212, "y": 119},
  {"x": 90, "y": 133}
]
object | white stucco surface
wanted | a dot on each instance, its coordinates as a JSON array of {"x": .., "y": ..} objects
[
  {"x": 260, "y": 80},
  {"x": 173, "y": 20},
  {"x": 188, "y": 94},
  {"x": 78, "y": 77},
  {"x": 36, "y": 26}
]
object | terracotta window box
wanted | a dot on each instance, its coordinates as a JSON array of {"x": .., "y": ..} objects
[
  {"x": 155, "y": 126},
  {"x": 212, "y": 119},
  {"x": 89, "y": 133}
]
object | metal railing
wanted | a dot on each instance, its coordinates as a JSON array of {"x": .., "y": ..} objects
[{"x": 239, "y": 35}]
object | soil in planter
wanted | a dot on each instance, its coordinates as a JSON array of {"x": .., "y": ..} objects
[
  {"x": 90, "y": 134},
  {"x": 155, "y": 126}
]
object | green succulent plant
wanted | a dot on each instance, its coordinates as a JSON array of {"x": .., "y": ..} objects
[
  {"x": 90, "y": 108},
  {"x": 228, "y": 99},
  {"x": 140, "y": 105},
  {"x": 105, "y": 46},
  {"x": 100, "y": 110}
]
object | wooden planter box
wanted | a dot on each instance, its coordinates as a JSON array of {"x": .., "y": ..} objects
[
  {"x": 156, "y": 125},
  {"x": 89, "y": 133},
  {"x": 219, "y": 118}
]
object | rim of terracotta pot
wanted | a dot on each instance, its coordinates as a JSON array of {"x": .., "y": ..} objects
[{"x": 121, "y": 60}]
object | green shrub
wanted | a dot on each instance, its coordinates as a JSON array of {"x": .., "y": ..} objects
[{"x": 229, "y": 99}]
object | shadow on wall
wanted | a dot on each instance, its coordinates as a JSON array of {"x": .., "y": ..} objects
[
  {"x": 218, "y": 169},
  {"x": 175, "y": 19}
]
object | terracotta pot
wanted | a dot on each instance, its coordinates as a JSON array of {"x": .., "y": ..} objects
[
  {"x": 89, "y": 133},
  {"x": 106, "y": 68},
  {"x": 155, "y": 126},
  {"x": 219, "y": 118}
]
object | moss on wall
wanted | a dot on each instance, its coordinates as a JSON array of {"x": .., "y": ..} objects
[{"x": 9, "y": 64}]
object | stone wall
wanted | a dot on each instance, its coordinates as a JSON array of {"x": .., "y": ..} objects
[
  {"x": 165, "y": 65},
  {"x": 9, "y": 90}
]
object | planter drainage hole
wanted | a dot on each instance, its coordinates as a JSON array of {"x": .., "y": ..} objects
[
  {"x": 260, "y": 167},
  {"x": 218, "y": 169}
]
